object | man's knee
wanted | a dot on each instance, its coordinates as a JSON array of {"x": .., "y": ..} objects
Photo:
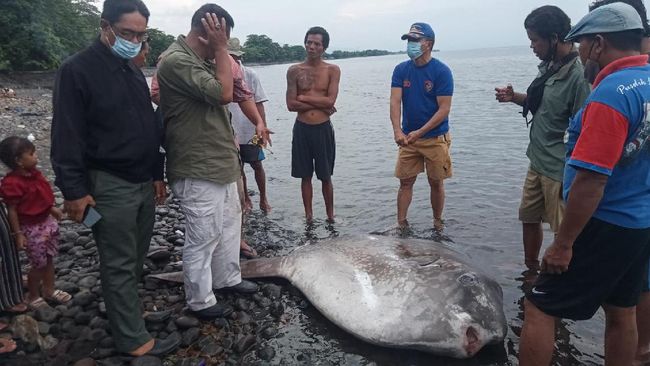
[
  {"x": 436, "y": 184},
  {"x": 407, "y": 183}
]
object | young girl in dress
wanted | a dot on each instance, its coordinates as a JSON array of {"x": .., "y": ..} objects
[{"x": 32, "y": 217}]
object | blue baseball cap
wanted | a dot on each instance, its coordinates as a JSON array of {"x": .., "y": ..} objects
[
  {"x": 611, "y": 18},
  {"x": 419, "y": 31}
]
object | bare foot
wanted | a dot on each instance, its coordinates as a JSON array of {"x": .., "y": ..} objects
[
  {"x": 248, "y": 206},
  {"x": 7, "y": 345},
  {"x": 438, "y": 224},
  {"x": 246, "y": 250},
  {"x": 264, "y": 206},
  {"x": 18, "y": 308},
  {"x": 402, "y": 224}
]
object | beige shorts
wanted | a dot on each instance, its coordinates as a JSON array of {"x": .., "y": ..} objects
[
  {"x": 430, "y": 152},
  {"x": 541, "y": 201}
]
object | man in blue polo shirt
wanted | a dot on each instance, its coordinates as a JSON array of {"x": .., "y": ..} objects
[
  {"x": 421, "y": 91},
  {"x": 600, "y": 255}
]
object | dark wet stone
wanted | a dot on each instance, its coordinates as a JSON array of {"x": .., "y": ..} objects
[
  {"x": 222, "y": 323},
  {"x": 227, "y": 343},
  {"x": 185, "y": 322},
  {"x": 210, "y": 347},
  {"x": 102, "y": 307},
  {"x": 65, "y": 247},
  {"x": 43, "y": 328},
  {"x": 264, "y": 302},
  {"x": 190, "y": 336},
  {"x": 151, "y": 284},
  {"x": 114, "y": 361},
  {"x": 97, "y": 335},
  {"x": 98, "y": 322},
  {"x": 46, "y": 314},
  {"x": 101, "y": 353},
  {"x": 84, "y": 333},
  {"x": 87, "y": 253},
  {"x": 157, "y": 316},
  {"x": 242, "y": 304},
  {"x": 155, "y": 327},
  {"x": 244, "y": 343},
  {"x": 68, "y": 326},
  {"x": 244, "y": 318},
  {"x": 271, "y": 290},
  {"x": 190, "y": 362},
  {"x": 84, "y": 298},
  {"x": 266, "y": 353},
  {"x": 146, "y": 361},
  {"x": 82, "y": 240},
  {"x": 173, "y": 299},
  {"x": 66, "y": 286},
  {"x": 179, "y": 242},
  {"x": 88, "y": 282},
  {"x": 107, "y": 342},
  {"x": 85, "y": 362},
  {"x": 69, "y": 312},
  {"x": 269, "y": 332},
  {"x": 171, "y": 327},
  {"x": 277, "y": 309},
  {"x": 83, "y": 318},
  {"x": 159, "y": 255}
]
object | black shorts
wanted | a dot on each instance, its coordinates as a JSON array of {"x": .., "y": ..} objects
[
  {"x": 313, "y": 148},
  {"x": 251, "y": 153},
  {"x": 608, "y": 266}
]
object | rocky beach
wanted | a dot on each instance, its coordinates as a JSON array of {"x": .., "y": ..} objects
[{"x": 77, "y": 333}]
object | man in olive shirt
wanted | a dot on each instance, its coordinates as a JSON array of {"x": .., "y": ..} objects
[
  {"x": 556, "y": 94},
  {"x": 202, "y": 159}
]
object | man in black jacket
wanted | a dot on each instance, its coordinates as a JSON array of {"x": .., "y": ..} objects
[{"x": 105, "y": 153}]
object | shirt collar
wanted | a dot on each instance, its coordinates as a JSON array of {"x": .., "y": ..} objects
[
  {"x": 621, "y": 63},
  {"x": 183, "y": 44},
  {"x": 113, "y": 62}
]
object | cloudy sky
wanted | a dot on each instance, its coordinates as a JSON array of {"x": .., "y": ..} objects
[{"x": 367, "y": 24}]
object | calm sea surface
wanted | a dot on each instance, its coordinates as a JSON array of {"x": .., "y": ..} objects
[{"x": 489, "y": 161}]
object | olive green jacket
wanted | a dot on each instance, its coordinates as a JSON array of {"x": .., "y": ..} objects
[{"x": 199, "y": 138}]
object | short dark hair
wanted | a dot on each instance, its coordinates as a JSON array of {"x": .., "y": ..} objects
[
  {"x": 547, "y": 21},
  {"x": 211, "y": 8},
  {"x": 322, "y": 32},
  {"x": 636, "y": 4},
  {"x": 12, "y": 148},
  {"x": 114, "y": 9},
  {"x": 629, "y": 40}
]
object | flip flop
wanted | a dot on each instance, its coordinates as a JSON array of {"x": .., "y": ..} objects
[
  {"x": 7, "y": 345},
  {"x": 18, "y": 308},
  {"x": 3, "y": 326},
  {"x": 37, "y": 304},
  {"x": 59, "y": 297}
]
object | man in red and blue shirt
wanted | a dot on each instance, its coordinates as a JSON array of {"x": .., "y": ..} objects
[{"x": 600, "y": 255}]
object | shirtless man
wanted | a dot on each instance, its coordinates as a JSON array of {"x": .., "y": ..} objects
[{"x": 312, "y": 88}]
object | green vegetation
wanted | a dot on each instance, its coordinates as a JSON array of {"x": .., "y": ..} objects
[
  {"x": 40, "y": 34},
  {"x": 262, "y": 49}
]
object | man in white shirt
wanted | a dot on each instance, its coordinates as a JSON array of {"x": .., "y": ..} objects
[{"x": 244, "y": 130}]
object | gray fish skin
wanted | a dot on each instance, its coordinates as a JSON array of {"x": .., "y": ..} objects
[{"x": 393, "y": 292}]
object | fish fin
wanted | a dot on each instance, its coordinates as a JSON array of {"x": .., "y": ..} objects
[
  {"x": 263, "y": 267},
  {"x": 170, "y": 276}
]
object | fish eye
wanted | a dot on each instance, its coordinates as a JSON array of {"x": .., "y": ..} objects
[{"x": 468, "y": 279}]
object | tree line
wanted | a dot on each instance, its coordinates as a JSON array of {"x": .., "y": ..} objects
[{"x": 39, "y": 34}]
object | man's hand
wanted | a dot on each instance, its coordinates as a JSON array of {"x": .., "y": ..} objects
[
  {"x": 557, "y": 258},
  {"x": 505, "y": 94},
  {"x": 21, "y": 241},
  {"x": 160, "y": 191},
  {"x": 76, "y": 208},
  {"x": 414, "y": 136},
  {"x": 400, "y": 138},
  {"x": 56, "y": 213},
  {"x": 264, "y": 133},
  {"x": 215, "y": 29}
]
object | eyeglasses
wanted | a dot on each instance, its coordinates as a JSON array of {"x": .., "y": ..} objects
[{"x": 130, "y": 35}]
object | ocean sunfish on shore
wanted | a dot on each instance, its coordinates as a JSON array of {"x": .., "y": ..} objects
[{"x": 394, "y": 292}]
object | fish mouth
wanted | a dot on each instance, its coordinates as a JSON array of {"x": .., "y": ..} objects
[{"x": 472, "y": 343}]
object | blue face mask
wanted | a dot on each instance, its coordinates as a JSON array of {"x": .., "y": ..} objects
[
  {"x": 125, "y": 49},
  {"x": 414, "y": 49}
]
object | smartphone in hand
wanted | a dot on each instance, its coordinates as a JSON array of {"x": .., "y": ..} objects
[{"x": 91, "y": 216}]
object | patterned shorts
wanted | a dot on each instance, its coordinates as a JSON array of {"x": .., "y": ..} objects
[{"x": 42, "y": 241}]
